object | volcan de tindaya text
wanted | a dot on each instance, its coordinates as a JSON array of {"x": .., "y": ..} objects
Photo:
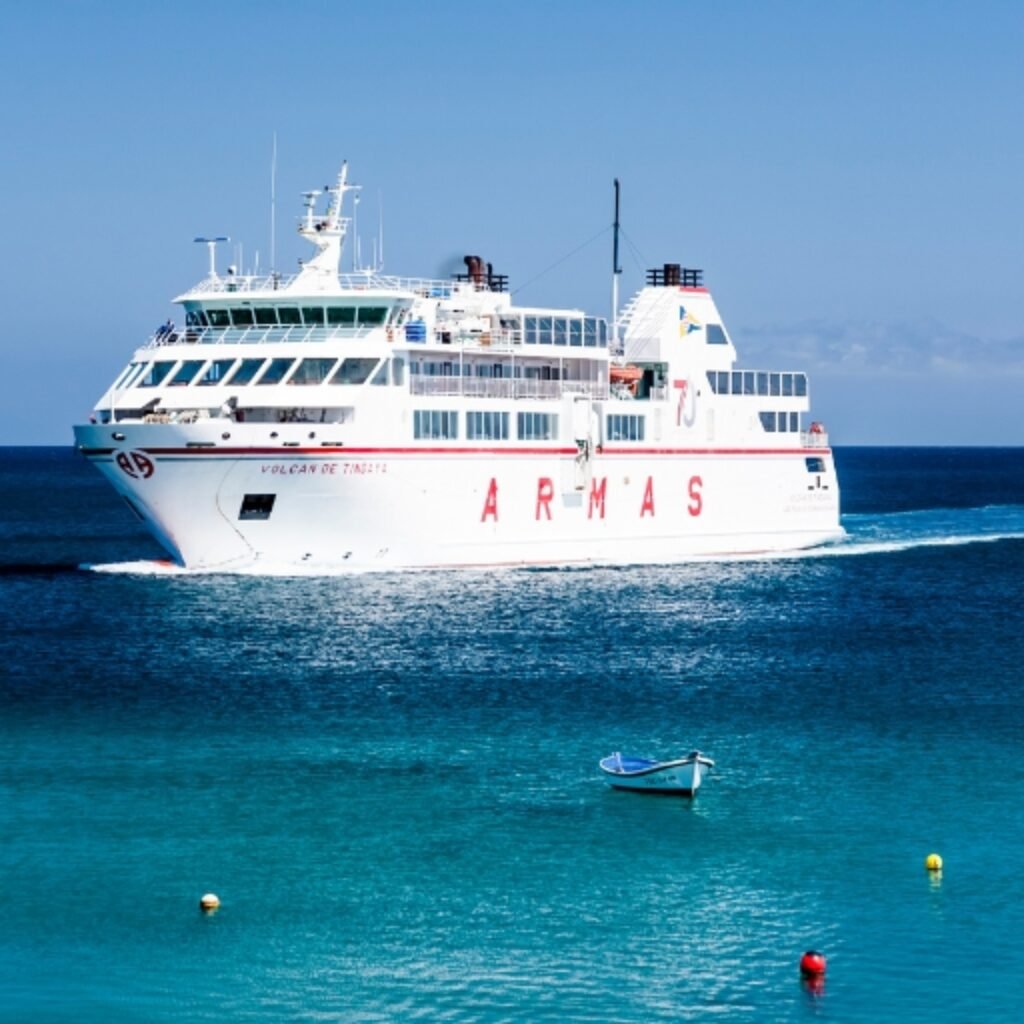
[{"x": 354, "y": 421}]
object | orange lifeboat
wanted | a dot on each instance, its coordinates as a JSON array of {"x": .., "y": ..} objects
[{"x": 628, "y": 375}]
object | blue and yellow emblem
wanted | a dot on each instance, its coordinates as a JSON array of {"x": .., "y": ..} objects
[{"x": 687, "y": 322}]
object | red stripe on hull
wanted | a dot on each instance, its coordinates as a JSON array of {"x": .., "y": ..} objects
[{"x": 290, "y": 452}]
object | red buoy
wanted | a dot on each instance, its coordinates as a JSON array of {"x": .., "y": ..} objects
[{"x": 812, "y": 964}]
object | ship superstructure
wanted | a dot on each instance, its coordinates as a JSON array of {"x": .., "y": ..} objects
[{"x": 362, "y": 421}]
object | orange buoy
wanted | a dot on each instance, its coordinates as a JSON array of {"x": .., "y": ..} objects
[{"x": 812, "y": 964}]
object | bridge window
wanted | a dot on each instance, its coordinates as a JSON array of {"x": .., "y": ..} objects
[
  {"x": 216, "y": 372},
  {"x": 762, "y": 383},
  {"x": 341, "y": 316},
  {"x": 354, "y": 370},
  {"x": 313, "y": 315},
  {"x": 187, "y": 371},
  {"x": 247, "y": 369},
  {"x": 775, "y": 387},
  {"x": 372, "y": 315},
  {"x": 219, "y": 317},
  {"x": 487, "y": 426},
  {"x": 625, "y": 428},
  {"x": 312, "y": 371},
  {"x": 768, "y": 421},
  {"x": 800, "y": 384},
  {"x": 716, "y": 335},
  {"x": 155, "y": 375},
  {"x": 787, "y": 384},
  {"x": 434, "y": 424},
  {"x": 266, "y": 316},
  {"x": 575, "y": 332},
  {"x": 590, "y": 332},
  {"x": 536, "y": 426},
  {"x": 289, "y": 315},
  {"x": 242, "y": 317},
  {"x": 276, "y": 371},
  {"x": 560, "y": 331},
  {"x": 748, "y": 382}
]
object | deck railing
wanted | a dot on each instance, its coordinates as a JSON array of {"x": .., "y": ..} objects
[
  {"x": 816, "y": 437},
  {"x": 503, "y": 387},
  {"x": 243, "y": 284},
  {"x": 257, "y": 334}
]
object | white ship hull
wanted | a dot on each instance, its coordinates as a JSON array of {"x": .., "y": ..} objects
[
  {"x": 398, "y": 508},
  {"x": 361, "y": 422}
]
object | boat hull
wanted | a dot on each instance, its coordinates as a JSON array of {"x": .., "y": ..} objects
[
  {"x": 338, "y": 508},
  {"x": 680, "y": 778}
]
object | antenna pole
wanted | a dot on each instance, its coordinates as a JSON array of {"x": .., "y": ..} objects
[
  {"x": 211, "y": 245},
  {"x": 616, "y": 269},
  {"x": 356, "y": 258},
  {"x": 273, "y": 205}
]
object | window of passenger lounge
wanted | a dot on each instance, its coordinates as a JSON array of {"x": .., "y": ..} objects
[
  {"x": 354, "y": 370},
  {"x": 156, "y": 375},
  {"x": 247, "y": 369},
  {"x": 312, "y": 371},
  {"x": 276, "y": 371},
  {"x": 216, "y": 372},
  {"x": 186, "y": 372}
]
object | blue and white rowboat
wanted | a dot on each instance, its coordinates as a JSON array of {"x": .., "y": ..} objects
[{"x": 681, "y": 777}]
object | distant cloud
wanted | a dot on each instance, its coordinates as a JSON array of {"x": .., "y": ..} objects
[{"x": 888, "y": 348}]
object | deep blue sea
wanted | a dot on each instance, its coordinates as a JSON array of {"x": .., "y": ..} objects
[{"x": 391, "y": 780}]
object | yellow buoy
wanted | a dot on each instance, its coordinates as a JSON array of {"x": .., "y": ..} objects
[
  {"x": 209, "y": 902},
  {"x": 933, "y": 862}
]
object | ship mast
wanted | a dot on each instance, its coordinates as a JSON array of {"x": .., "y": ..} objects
[{"x": 616, "y": 270}]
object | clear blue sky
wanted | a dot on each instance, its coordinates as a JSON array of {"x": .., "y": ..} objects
[{"x": 850, "y": 175}]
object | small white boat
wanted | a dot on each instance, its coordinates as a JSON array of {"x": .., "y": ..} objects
[{"x": 681, "y": 777}]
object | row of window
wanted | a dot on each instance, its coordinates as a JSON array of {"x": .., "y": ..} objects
[
  {"x": 588, "y": 331},
  {"x": 260, "y": 371},
  {"x": 442, "y": 425},
  {"x": 784, "y": 422},
  {"x": 625, "y": 428},
  {"x": 757, "y": 382},
  {"x": 287, "y": 316}
]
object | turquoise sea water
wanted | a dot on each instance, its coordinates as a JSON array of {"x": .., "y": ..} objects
[{"x": 391, "y": 781}]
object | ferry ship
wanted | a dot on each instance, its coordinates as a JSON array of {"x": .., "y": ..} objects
[{"x": 333, "y": 421}]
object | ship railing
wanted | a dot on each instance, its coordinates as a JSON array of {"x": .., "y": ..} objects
[
  {"x": 235, "y": 284},
  {"x": 257, "y": 334},
  {"x": 503, "y": 387},
  {"x": 497, "y": 341},
  {"x": 816, "y": 437}
]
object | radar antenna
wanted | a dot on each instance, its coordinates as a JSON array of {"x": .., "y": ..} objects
[{"x": 211, "y": 244}]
